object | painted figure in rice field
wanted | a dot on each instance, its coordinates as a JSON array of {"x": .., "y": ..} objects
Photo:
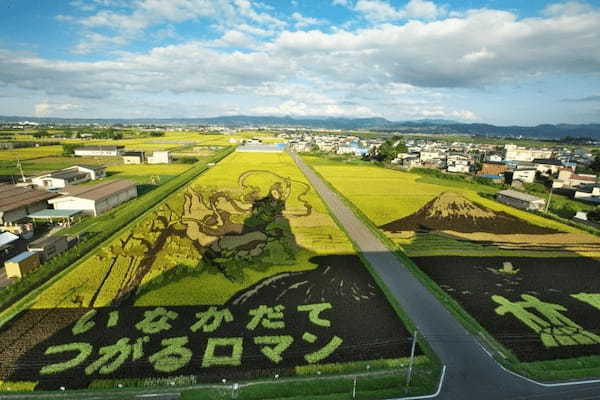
[{"x": 221, "y": 231}]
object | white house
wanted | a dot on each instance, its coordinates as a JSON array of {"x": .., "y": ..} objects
[
  {"x": 458, "y": 163},
  {"x": 547, "y": 166},
  {"x": 526, "y": 175},
  {"x": 515, "y": 153},
  {"x": 94, "y": 200},
  {"x": 567, "y": 178},
  {"x": 99, "y": 151},
  {"x": 159, "y": 157}
]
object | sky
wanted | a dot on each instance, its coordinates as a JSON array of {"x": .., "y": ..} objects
[{"x": 506, "y": 62}]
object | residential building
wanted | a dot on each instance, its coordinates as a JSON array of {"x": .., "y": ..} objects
[
  {"x": 568, "y": 178},
  {"x": 547, "y": 166},
  {"x": 22, "y": 264},
  {"x": 133, "y": 157},
  {"x": 160, "y": 157},
  {"x": 515, "y": 153},
  {"x": 17, "y": 202},
  {"x": 458, "y": 163},
  {"x": 94, "y": 200},
  {"x": 99, "y": 151},
  {"x": 492, "y": 168},
  {"x": 7, "y": 239},
  {"x": 430, "y": 155},
  {"x": 521, "y": 200},
  {"x": 526, "y": 175}
]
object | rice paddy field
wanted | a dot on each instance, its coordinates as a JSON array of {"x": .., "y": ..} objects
[
  {"x": 532, "y": 283},
  {"x": 243, "y": 273}
]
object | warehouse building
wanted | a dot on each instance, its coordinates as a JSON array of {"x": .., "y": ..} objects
[
  {"x": 17, "y": 202},
  {"x": 133, "y": 157},
  {"x": 94, "y": 200},
  {"x": 99, "y": 151},
  {"x": 160, "y": 157},
  {"x": 521, "y": 200}
]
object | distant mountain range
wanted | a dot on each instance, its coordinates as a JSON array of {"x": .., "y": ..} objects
[{"x": 429, "y": 126}]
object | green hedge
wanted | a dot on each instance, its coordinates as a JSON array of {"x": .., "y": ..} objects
[{"x": 122, "y": 217}]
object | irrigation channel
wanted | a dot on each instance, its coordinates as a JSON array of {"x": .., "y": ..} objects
[{"x": 472, "y": 373}]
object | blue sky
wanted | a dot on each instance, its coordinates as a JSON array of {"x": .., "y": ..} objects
[{"x": 504, "y": 62}]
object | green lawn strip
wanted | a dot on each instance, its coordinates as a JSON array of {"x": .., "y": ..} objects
[
  {"x": 560, "y": 370},
  {"x": 410, "y": 326},
  {"x": 19, "y": 295},
  {"x": 371, "y": 387},
  {"x": 543, "y": 370}
]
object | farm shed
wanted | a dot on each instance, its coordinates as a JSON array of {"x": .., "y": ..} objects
[
  {"x": 17, "y": 202},
  {"x": 94, "y": 200},
  {"x": 49, "y": 246},
  {"x": 60, "y": 178},
  {"x": 521, "y": 200},
  {"x": 99, "y": 151},
  {"x": 160, "y": 157},
  {"x": 133, "y": 157},
  {"x": 22, "y": 264}
]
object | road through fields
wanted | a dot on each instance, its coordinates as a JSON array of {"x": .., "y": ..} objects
[{"x": 472, "y": 373}]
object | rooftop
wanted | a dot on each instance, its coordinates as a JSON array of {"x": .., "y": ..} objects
[
  {"x": 13, "y": 197},
  {"x": 100, "y": 191},
  {"x": 7, "y": 238},
  {"x": 92, "y": 167},
  {"x": 519, "y": 195},
  {"x": 45, "y": 241},
  {"x": 20, "y": 257},
  {"x": 102, "y": 148},
  {"x": 547, "y": 161},
  {"x": 48, "y": 214}
]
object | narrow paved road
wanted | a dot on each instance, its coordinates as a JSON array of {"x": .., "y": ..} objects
[{"x": 471, "y": 373}]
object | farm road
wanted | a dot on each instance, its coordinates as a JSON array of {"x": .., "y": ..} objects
[{"x": 471, "y": 372}]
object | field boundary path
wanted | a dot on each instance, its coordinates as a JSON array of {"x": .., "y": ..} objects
[{"x": 472, "y": 373}]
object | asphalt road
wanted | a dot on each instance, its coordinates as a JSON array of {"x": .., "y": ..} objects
[{"x": 471, "y": 372}]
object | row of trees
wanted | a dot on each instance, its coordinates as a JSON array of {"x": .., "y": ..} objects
[{"x": 388, "y": 151}]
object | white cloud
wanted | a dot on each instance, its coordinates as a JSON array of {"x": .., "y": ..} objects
[
  {"x": 130, "y": 25},
  {"x": 302, "y": 21},
  {"x": 379, "y": 10},
  {"x": 302, "y": 109},
  {"x": 53, "y": 109},
  {"x": 567, "y": 8},
  {"x": 345, "y": 3}
]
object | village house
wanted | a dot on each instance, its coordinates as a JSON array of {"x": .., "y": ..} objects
[
  {"x": 568, "y": 178},
  {"x": 525, "y": 175},
  {"x": 492, "y": 168},
  {"x": 458, "y": 163},
  {"x": 515, "y": 153},
  {"x": 547, "y": 166},
  {"x": 588, "y": 193}
]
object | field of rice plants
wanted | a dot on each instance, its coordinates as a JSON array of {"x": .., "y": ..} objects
[{"x": 243, "y": 273}]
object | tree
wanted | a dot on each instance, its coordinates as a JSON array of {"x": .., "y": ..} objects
[
  {"x": 69, "y": 149},
  {"x": 595, "y": 165},
  {"x": 389, "y": 150}
]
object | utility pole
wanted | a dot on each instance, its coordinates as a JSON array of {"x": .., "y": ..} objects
[
  {"x": 549, "y": 198},
  {"x": 21, "y": 169},
  {"x": 412, "y": 358},
  {"x": 354, "y": 389}
]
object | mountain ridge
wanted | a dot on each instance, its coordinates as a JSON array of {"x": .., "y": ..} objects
[{"x": 376, "y": 124}]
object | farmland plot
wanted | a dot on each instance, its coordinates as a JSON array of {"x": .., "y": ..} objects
[
  {"x": 532, "y": 283},
  {"x": 243, "y": 274}
]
